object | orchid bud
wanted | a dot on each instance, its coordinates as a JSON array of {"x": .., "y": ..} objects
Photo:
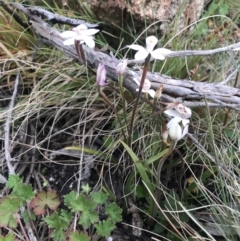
[
  {"x": 164, "y": 134},
  {"x": 158, "y": 93},
  {"x": 121, "y": 67},
  {"x": 101, "y": 75}
]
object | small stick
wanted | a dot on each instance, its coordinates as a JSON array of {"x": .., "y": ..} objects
[{"x": 7, "y": 127}]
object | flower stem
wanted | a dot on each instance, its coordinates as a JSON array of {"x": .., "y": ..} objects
[
  {"x": 80, "y": 51},
  {"x": 145, "y": 69}
]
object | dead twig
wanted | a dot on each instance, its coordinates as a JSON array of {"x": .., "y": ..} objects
[{"x": 8, "y": 125}]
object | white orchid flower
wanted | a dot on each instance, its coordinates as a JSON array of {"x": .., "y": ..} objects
[
  {"x": 80, "y": 33},
  {"x": 177, "y": 127},
  {"x": 146, "y": 87},
  {"x": 121, "y": 67},
  {"x": 151, "y": 42}
]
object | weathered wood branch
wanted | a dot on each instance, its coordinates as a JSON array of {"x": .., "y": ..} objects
[{"x": 192, "y": 93}]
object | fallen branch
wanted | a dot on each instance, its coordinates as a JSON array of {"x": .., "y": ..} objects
[{"x": 191, "y": 93}]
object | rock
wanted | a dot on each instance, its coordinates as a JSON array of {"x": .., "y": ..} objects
[{"x": 137, "y": 14}]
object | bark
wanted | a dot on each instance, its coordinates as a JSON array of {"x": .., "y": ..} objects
[{"x": 192, "y": 94}]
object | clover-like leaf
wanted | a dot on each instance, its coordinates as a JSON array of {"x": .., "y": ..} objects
[
  {"x": 43, "y": 199},
  {"x": 8, "y": 208},
  {"x": 114, "y": 212}
]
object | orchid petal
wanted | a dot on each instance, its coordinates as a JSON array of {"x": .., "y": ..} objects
[
  {"x": 121, "y": 67},
  {"x": 68, "y": 34},
  {"x": 89, "y": 40},
  {"x": 136, "y": 47},
  {"x": 175, "y": 131},
  {"x": 141, "y": 54},
  {"x": 184, "y": 111},
  {"x": 185, "y": 122},
  {"x": 160, "y": 53},
  {"x": 151, "y": 42},
  {"x": 173, "y": 113},
  {"x": 80, "y": 28},
  {"x": 173, "y": 122},
  {"x": 90, "y": 32},
  {"x": 152, "y": 93},
  {"x": 69, "y": 41},
  {"x": 184, "y": 132},
  {"x": 188, "y": 113}
]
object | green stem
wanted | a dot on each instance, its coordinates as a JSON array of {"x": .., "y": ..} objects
[{"x": 145, "y": 69}]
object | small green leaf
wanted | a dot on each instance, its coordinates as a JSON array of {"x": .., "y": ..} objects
[
  {"x": 69, "y": 198},
  {"x": 87, "y": 218},
  {"x": 82, "y": 203},
  {"x": 13, "y": 181},
  {"x": 86, "y": 188},
  {"x": 114, "y": 212},
  {"x": 20, "y": 189},
  {"x": 99, "y": 197},
  {"x": 59, "y": 224},
  {"x": 105, "y": 228}
]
